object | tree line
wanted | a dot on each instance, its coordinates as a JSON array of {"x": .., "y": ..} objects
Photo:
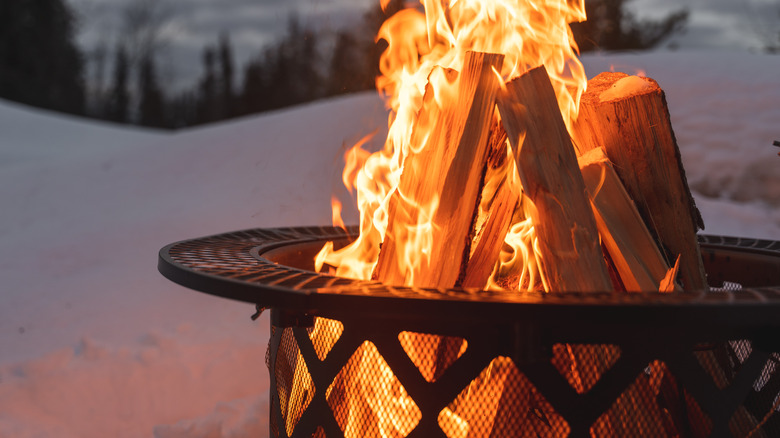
[{"x": 41, "y": 65}]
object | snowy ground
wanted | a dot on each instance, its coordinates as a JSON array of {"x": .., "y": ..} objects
[{"x": 94, "y": 342}]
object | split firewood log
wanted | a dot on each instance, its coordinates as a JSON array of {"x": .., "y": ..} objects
[
  {"x": 628, "y": 117},
  {"x": 568, "y": 241}
]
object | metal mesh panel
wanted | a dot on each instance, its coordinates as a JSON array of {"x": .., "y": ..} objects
[
  {"x": 501, "y": 402},
  {"x": 583, "y": 365},
  {"x": 268, "y": 349},
  {"x": 654, "y": 405},
  {"x": 758, "y": 416},
  {"x": 294, "y": 383},
  {"x": 432, "y": 354},
  {"x": 324, "y": 335},
  {"x": 723, "y": 360},
  {"x": 368, "y": 400}
]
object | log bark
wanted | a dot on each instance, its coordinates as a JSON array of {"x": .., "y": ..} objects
[
  {"x": 630, "y": 120},
  {"x": 631, "y": 248},
  {"x": 566, "y": 229},
  {"x": 448, "y": 169}
]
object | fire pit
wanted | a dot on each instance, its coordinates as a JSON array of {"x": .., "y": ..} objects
[{"x": 343, "y": 361}]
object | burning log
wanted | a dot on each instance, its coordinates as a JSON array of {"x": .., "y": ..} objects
[
  {"x": 631, "y": 248},
  {"x": 572, "y": 259},
  {"x": 629, "y": 118},
  {"x": 451, "y": 169},
  {"x": 498, "y": 202},
  {"x": 453, "y": 166}
]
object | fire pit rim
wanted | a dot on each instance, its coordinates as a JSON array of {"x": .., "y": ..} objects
[{"x": 247, "y": 275}]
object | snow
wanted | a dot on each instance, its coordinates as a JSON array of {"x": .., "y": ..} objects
[{"x": 96, "y": 343}]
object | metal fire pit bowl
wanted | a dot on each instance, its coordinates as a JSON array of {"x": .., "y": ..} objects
[{"x": 569, "y": 363}]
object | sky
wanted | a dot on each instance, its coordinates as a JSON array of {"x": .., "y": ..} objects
[{"x": 189, "y": 25}]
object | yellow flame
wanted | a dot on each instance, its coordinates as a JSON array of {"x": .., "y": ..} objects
[
  {"x": 419, "y": 70},
  {"x": 336, "y": 208},
  {"x": 423, "y": 50}
]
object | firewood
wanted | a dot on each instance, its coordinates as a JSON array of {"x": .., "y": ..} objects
[
  {"x": 474, "y": 411},
  {"x": 629, "y": 118},
  {"x": 566, "y": 230},
  {"x": 668, "y": 284},
  {"x": 631, "y": 248},
  {"x": 497, "y": 204},
  {"x": 449, "y": 170}
]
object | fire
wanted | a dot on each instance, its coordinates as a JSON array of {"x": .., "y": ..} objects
[
  {"x": 419, "y": 69},
  {"x": 424, "y": 50}
]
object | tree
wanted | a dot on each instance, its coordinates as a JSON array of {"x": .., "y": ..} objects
[
  {"x": 183, "y": 110},
  {"x": 307, "y": 67},
  {"x": 151, "y": 106},
  {"x": 611, "y": 27},
  {"x": 118, "y": 106},
  {"x": 40, "y": 64},
  {"x": 354, "y": 64},
  {"x": 286, "y": 73},
  {"x": 226, "y": 79},
  {"x": 208, "y": 89},
  {"x": 770, "y": 45},
  {"x": 95, "y": 89},
  {"x": 255, "y": 88},
  {"x": 141, "y": 27},
  {"x": 347, "y": 72}
]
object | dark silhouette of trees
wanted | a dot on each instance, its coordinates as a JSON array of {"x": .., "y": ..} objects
[
  {"x": 254, "y": 90},
  {"x": 344, "y": 73},
  {"x": 95, "y": 92},
  {"x": 207, "y": 102},
  {"x": 151, "y": 105},
  {"x": 286, "y": 73},
  {"x": 227, "y": 104},
  {"x": 183, "y": 109},
  {"x": 118, "y": 105},
  {"x": 141, "y": 26},
  {"x": 354, "y": 63},
  {"x": 40, "y": 64},
  {"x": 611, "y": 27}
]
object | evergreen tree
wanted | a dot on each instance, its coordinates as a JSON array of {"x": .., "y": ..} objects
[
  {"x": 183, "y": 110},
  {"x": 345, "y": 74},
  {"x": 226, "y": 79},
  {"x": 207, "y": 105},
  {"x": 611, "y": 27},
  {"x": 151, "y": 106},
  {"x": 39, "y": 62},
  {"x": 96, "y": 89},
  {"x": 254, "y": 94},
  {"x": 280, "y": 60},
  {"x": 118, "y": 106},
  {"x": 354, "y": 64},
  {"x": 307, "y": 65}
]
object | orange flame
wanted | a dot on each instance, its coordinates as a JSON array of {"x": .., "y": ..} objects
[
  {"x": 419, "y": 69},
  {"x": 422, "y": 48}
]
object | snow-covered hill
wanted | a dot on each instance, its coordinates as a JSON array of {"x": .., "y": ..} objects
[{"x": 94, "y": 342}]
